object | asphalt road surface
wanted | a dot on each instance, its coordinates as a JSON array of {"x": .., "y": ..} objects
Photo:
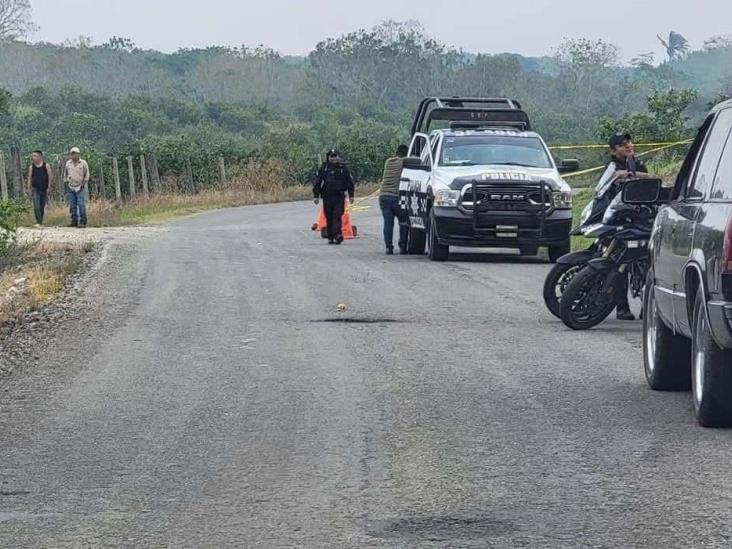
[{"x": 210, "y": 394}]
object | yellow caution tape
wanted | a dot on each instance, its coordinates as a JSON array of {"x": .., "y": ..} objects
[
  {"x": 356, "y": 206},
  {"x": 666, "y": 144},
  {"x": 646, "y": 153}
]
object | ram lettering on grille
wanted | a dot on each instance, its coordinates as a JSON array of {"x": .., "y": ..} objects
[{"x": 508, "y": 197}]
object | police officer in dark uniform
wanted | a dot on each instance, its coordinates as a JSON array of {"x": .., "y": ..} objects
[{"x": 333, "y": 181}]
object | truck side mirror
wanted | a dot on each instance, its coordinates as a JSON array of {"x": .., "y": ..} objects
[
  {"x": 569, "y": 166},
  {"x": 414, "y": 163}
]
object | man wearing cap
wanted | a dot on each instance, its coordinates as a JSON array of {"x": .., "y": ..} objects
[
  {"x": 76, "y": 177},
  {"x": 623, "y": 166},
  {"x": 333, "y": 181},
  {"x": 622, "y": 152}
]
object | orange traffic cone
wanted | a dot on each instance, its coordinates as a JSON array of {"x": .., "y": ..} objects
[{"x": 348, "y": 229}]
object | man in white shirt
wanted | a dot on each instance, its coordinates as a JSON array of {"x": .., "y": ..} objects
[{"x": 76, "y": 176}]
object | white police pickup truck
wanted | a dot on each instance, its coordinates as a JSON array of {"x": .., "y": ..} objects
[{"x": 487, "y": 181}]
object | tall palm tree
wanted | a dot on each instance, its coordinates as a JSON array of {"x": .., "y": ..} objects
[{"x": 676, "y": 46}]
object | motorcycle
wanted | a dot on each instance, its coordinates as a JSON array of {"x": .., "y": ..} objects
[
  {"x": 589, "y": 298},
  {"x": 567, "y": 266}
]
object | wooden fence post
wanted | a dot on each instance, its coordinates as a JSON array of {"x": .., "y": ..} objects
[
  {"x": 131, "y": 172},
  {"x": 3, "y": 178},
  {"x": 222, "y": 170},
  {"x": 101, "y": 189},
  {"x": 143, "y": 171},
  {"x": 117, "y": 185},
  {"x": 17, "y": 172},
  {"x": 155, "y": 173},
  {"x": 61, "y": 184}
]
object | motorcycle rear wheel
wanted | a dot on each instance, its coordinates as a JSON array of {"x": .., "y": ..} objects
[
  {"x": 556, "y": 283},
  {"x": 585, "y": 303}
]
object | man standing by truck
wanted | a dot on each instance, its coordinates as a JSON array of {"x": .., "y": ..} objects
[
  {"x": 389, "y": 201},
  {"x": 333, "y": 181}
]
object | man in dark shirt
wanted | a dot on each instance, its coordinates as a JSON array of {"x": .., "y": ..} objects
[
  {"x": 40, "y": 180},
  {"x": 622, "y": 152},
  {"x": 333, "y": 181},
  {"x": 627, "y": 166}
]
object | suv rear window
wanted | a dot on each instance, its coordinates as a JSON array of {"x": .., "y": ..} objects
[
  {"x": 481, "y": 150},
  {"x": 723, "y": 181},
  {"x": 707, "y": 167}
]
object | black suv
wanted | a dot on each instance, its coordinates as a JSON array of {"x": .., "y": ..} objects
[{"x": 687, "y": 329}]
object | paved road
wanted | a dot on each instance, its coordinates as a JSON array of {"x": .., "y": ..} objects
[{"x": 213, "y": 396}]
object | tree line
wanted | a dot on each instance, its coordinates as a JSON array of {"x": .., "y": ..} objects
[{"x": 356, "y": 92}]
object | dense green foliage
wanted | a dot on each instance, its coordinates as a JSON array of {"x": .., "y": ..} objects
[
  {"x": 356, "y": 92},
  {"x": 10, "y": 213}
]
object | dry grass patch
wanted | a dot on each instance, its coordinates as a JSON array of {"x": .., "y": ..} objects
[{"x": 38, "y": 275}]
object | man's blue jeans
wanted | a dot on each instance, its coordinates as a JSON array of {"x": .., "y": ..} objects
[
  {"x": 77, "y": 206},
  {"x": 39, "y": 204},
  {"x": 390, "y": 210}
]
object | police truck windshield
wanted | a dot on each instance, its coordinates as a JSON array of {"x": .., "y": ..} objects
[{"x": 479, "y": 150}]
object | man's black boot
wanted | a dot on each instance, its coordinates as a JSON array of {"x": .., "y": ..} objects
[
  {"x": 625, "y": 314},
  {"x": 390, "y": 250}
]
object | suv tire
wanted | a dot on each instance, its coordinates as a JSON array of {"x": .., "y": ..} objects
[
  {"x": 666, "y": 356},
  {"x": 711, "y": 372}
]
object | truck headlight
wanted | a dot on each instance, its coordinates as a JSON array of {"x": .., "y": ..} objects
[
  {"x": 562, "y": 199},
  {"x": 446, "y": 198}
]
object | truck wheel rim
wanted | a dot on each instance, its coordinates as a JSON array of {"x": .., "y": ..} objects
[
  {"x": 699, "y": 357},
  {"x": 651, "y": 331}
]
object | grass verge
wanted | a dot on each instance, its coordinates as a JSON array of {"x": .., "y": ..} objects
[
  {"x": 34, "y": 275},
  {"x": 158, "y": 208}
]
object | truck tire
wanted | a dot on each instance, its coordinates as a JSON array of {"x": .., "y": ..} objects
[
  {"x": 557, "y": 251},
  {"x": 436, "y": 251},
  {"x": 416, "y": 242},
  {"x": 666, "y": 356},
  {"x": 711, "y": 385}
]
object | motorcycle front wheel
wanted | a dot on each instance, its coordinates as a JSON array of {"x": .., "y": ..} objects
[
  {"x": 556, "y": 283},
  {"x": 588, "y": 300}
]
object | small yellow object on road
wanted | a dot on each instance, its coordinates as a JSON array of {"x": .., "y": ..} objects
[{"x": 342, "y": 307}]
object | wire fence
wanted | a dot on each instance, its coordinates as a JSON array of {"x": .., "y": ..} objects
[{"x": 118, "y": 178}]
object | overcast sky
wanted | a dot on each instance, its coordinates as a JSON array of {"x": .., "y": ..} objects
[{"x": 530, "y": 27}]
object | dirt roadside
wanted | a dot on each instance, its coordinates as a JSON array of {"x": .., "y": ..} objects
[{"x": 63, "y": 280}]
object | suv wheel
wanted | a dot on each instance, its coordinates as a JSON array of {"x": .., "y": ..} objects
[
  {"x": 666, "y": 356},
  {"x": 436, "y": 251},
  {"x": 555, "y": 252},
  {"x": 711, "y": 372}
]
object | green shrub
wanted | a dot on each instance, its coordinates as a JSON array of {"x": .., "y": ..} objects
[{"x": 10, "y": 213}]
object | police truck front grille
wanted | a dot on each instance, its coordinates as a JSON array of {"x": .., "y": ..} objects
[
  {"x": 497, "y": 207},
  {"x": 526, "y": 197}
]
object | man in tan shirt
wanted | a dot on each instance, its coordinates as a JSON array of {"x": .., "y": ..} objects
[
  {"x": 76, "y": 177},
  {"x": 389, "y": 202}
]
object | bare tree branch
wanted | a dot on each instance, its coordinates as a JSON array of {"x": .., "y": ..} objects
[{"x": 15, "y": 19}]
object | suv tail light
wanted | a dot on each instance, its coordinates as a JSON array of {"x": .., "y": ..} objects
[{"x": 727, "y": 253}]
